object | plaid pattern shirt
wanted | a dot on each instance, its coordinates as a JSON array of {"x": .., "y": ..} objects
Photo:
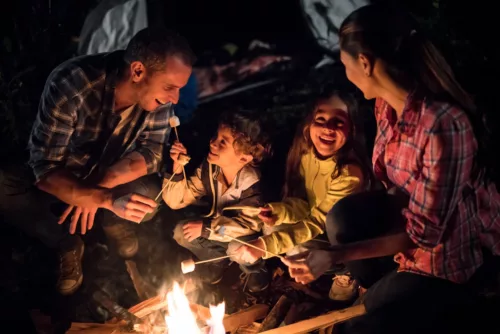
[
  {"x": 429, "y": 154},
  {"x": 75, "y": 122}
]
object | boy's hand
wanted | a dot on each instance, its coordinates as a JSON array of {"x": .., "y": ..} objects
[
  {"x": 192, "y": 230},
  {"x": 267, "y": 217},
  {"x": 177, "y": 149}
]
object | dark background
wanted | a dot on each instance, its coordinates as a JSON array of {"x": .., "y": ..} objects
[{"x": 37, "y": 35}]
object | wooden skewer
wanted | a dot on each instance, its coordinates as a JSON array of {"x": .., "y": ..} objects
[
  {"x": 214, "y": 259},
  {"x": 183, "y": 169},
  {"x": 166, "y": 184},
  {"x": 247, "y": 244}
]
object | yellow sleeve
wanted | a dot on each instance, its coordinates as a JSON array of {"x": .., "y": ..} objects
[
  {"x": 314, "y": 223},
  {"x": 291, "y": 210},
  {"x": 177, "y": 195}
]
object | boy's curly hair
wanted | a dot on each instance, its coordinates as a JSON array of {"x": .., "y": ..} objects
[{"x": 250, "y": 136}]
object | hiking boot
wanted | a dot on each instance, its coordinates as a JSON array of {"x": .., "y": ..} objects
[
  {"x": 123, "y": 236},
  {"x": 70, "y": 267},
  {"x": 256, "y": 282},
  {"x": 344, "y": 288}
]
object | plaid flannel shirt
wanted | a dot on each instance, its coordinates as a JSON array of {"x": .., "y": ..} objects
[
  {"x": 429, "y": 154},
  {"x": 75, "y": 121}
]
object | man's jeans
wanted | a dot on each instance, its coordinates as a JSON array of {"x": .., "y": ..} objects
[{"x": 37, "y": 212}]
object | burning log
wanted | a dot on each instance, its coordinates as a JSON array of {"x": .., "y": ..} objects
[
  {"x": 320, "y": 322},
  {"x": 277, "y": 314}
]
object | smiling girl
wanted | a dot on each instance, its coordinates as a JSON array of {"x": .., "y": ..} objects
[{"x": 323, "y": 166}]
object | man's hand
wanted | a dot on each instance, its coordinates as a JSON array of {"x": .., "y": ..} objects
[
  {"x": 308, "y": 266},
  {"x": 177, "y": 149},
  {"x": 192, "y": 230},
  {"x": 132, "y": 207},
  {"x": 244, "y": 254},
  {"x": 84, "y": 215},
  {"x": 267, "y": 217}
]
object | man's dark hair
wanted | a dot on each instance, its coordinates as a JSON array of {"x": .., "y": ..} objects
[{"x": 151, "y": 46}]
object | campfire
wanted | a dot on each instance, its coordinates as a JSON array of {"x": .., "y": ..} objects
[
  {"x": 173, "y": 313},
  {"x": 181, "y": 320}
]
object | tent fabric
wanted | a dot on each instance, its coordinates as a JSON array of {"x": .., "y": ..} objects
[
  {"x": 324, "y": 18},
  {"x": 111, "y": 25}
]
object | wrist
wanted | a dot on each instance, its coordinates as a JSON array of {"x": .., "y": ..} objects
[
  {"x": 103, "y": 198},
  {"x": 176, "y": 168}
]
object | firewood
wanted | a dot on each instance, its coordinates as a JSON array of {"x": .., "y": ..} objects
[
  {"x": 277, "y": 314},
  {"x": 244, "y": 317},
  {"x": 253, "y": 328},
  {"x": 322, "y": 321},
  {"x": 93, "y": 328},
  {"x": 143, "y": 289}
]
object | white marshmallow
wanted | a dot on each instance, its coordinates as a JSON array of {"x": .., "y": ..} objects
[
  {"x": 187, "y": 266},
  {"x": 174, "y": 121}
]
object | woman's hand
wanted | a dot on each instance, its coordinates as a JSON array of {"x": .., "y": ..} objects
[
  {"x": 267, "y": 217},
  {"x": 176, "y": 150},
  {"x": 308, "y": 266}
]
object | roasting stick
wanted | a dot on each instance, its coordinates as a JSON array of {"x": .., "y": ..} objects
[
  {"x": 188, "y": 266},
  {"x": 247, "y": 244},
  {"x": 182, "y": 162},
  {"x": 174, "y": 123}
]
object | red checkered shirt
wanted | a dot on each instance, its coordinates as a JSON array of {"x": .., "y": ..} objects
[{"x": 429, "y": 153}]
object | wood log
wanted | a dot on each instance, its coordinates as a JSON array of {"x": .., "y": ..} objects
[
  {"x": 277, "y": 314},
  {"x": 322, "y": 321},
  {"x": 93, "y": 328},
  {"x": 143, "y": 289},
  {"x": 248, "y": 329}
]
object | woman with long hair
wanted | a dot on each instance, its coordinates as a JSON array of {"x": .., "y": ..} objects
[{"x": 429, "y": 150}]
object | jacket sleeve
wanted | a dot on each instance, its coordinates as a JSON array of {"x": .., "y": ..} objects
[
  {"x": 314, "y": 223},
  {"x": 290, "y": 211},
  {"x": 244, "y": 222},
  {"x": 178, "y": 195}
]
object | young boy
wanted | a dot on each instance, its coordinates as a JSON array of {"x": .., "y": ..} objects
[{"x": 227, "y": 180}]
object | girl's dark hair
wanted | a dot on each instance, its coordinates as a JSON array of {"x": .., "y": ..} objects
[
  {"x": 250, "y": 134},
  {"x": 391, "y": 35},
  {"x": 353, "y": 150}
]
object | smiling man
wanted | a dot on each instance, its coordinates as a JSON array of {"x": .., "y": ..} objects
[{"x": 96, "y": 143}]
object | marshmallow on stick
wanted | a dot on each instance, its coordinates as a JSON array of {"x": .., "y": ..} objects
[
  {"x": 174, "y": 122},
  {"x": 188, "y": 266}
]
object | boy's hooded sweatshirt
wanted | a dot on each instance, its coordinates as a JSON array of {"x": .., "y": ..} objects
[{"x": 232, "y": 210}]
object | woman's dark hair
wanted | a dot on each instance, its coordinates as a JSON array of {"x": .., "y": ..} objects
[
  {"x": 352, "y": 152},
  {"x": 393, "y": 36},
  {"x": 152, "y": 45},
  {"x": 249, "y": 132}
]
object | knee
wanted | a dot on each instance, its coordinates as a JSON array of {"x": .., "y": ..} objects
[
  {"x": 148, "y": 186},
  {"x": 337, "y": 221}
]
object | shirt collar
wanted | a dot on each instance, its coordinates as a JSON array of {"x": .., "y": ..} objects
[{"x": 410, "y": 117}]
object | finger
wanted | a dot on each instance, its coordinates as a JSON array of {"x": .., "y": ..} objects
[
  {"x": 83, "y": 221},
  {"x": 91, "y": 219},
  {"x": 134, "y": 215},
  {"x": 143, "y": 200},
  {"x": 139, "y": 207},
  {"x": 299, "y": 257},
  {"x": 305, "y": 279},
  {"x": 65, "y": 214},
  {"x": 300, "y": 265},
  {"x": 265, "y": 209},
  {"x": 74, "y": 220}
]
